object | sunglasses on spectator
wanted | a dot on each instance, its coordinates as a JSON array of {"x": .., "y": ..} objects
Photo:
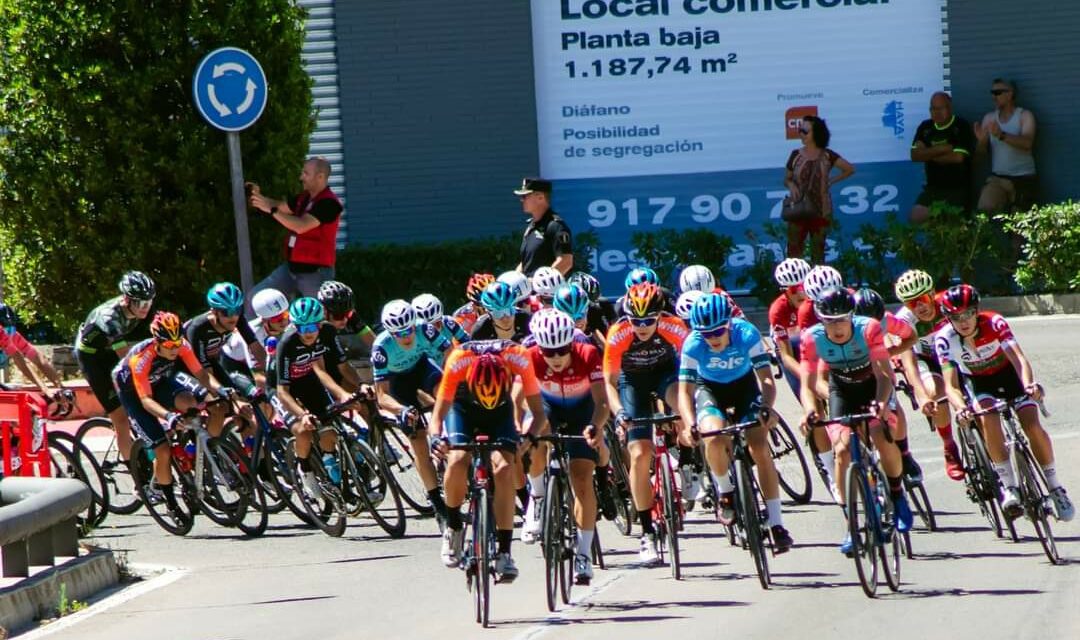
[
  {"x": 925, "y": 298},
  {"x": 403, "y": 333},
  {"x": 963, "y": 315},
  {"x": 308, "y": 328},
  {"x": 556, "y": 352},
  {"x": 998, "y": 92},
  {"x": 718, "y": 332},
  {"x": 804, "y": 130},
  {"x": 171, "y": 344},
  {"x": 643, "y": 322}
]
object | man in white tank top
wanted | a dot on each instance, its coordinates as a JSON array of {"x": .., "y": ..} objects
[{"x": 1009, "y": 131}]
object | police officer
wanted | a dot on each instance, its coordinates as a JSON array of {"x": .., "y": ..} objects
[{"x": 547, "y": 238}]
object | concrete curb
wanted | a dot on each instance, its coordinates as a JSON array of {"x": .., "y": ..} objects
[{"x": 36, "y": 597}]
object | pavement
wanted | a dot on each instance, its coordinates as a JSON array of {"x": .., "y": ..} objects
[{"x": 297, "y": 583}]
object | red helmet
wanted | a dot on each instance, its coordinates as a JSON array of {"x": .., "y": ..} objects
[
  {"x": 477, "y": 283},
  {"x": 643, "y": 300},
  {"x": 959, "y": 299},
  {"x": 489, "y": 381}
]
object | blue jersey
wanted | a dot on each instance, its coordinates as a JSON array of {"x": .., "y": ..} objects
[
  {"x": 388, "y": 357},
  {"x": 848, "y": 362},
  {"x": 744, "y": 352}
]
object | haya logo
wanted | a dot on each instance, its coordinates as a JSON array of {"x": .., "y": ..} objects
[{"x": 892, "y": 117}]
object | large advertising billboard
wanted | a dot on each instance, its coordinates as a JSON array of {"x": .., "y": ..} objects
[{"x": 681, "y": 113}]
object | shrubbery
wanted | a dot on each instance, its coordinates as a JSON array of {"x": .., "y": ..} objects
[{"x": 1050, "y": 257}]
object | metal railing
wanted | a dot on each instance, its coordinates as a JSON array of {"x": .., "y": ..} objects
[{"x": 37, "y": 522}]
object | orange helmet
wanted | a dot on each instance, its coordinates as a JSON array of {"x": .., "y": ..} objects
[
  {"x": 165, "y": 327},
  {"x": 643, "y": 300},
  {"x": 489, "y": 381},
  {"x": 477, "y": 283}
]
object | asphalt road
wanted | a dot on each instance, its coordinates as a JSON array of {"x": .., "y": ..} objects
[{"x": 295, "y": 583}]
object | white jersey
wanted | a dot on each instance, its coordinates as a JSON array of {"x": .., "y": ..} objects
[{"x": 237, "y": 349}]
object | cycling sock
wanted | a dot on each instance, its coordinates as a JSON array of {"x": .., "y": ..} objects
[
  {"x": 305, "y": 464},
  {"x": 645, "y": 518},
  {"x": 504, "y": 537},
  {"x": 902, "y": 445},
  {"x": 828, "y": 460},
  {"x": 523, "y": 496},
  {"x": 1005, "y": 473},
  {"x": 896, "y": 486},
  {"x": 686, "y": 456},
  {"x": 584, "y": 542},
  {"x": 436, "y": 499},
  {"x": 536, "y": 486},
  {"x": 1051, "y": 476},
  {"x": 602, "y": 473},
  {"x": 946, "y": 433},
  {"x": 169, "y": 492},
  {"x": 723, "y": 483},
  {"x": 776, "y": 518},
  {"x": 453, "y": 518}
]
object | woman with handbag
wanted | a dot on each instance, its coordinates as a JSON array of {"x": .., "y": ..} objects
[{"x": 808, "y": 207}]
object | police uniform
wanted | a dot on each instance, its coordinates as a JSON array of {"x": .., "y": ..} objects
[{"x": 545, "y": 239}]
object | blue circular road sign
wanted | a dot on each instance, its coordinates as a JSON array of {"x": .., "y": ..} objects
[{"x": 230, "y": 89}]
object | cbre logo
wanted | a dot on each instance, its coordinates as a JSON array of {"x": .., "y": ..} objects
[{"x": 793, "y": 117}]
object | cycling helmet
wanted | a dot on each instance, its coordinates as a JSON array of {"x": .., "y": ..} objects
[
  {"x": 165, "y": 326},
  {"x": 489, "y": 381},
  {"x": 428, "y": 308},
  {"x": 269, "y": 303},
  {"x": 572, "y": 300},
  {"x": 519, "y": 284},
  {"x": 552, "y": 328},
  {"x": 398, "y": 315},
  {"x": 546, "y": 280},
  {"x": 834, "y": 302},
  {"x": 137, "y": 286},
  {"x": 306, "y": 311},
  {"x": 869, "y": 303},
  {"x": 697, "y": 277},
  {"x": 639, "y": 275},
  {"x": 912, "y": 284},
  {"x": 587, "y": 282},
  {"x": 821, "y": 278},
  {"x": 685, "y": 303},
  {"x": 791, "y": 272},
  {"x": 959, "y": 299},
  {"x": 336, "y": 297},
  {"x": 709, "y": 312},
  {"x": 227, "y": 297},
  {"x": 498, "y": 296},
  {"x": 643, "y": 300},
  {"x": 477, "y": 283}
]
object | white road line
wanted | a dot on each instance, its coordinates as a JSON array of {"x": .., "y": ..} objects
[
  {"x": 538, "y": 630},
  {"x": 168, "y": 576}
]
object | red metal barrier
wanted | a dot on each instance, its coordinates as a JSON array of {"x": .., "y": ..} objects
[{"x": 22, "y": 416}]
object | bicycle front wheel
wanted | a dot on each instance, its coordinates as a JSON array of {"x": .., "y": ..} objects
[
  {"x": 365, "y": 477},
  {"x": 620, "y": 485},
  {"x": 984, "y": 481},
  {"x": 890, "y": 541},
  {"x": 81, "y": 465},
  {"x": 792, "y": 470},
  {"x": 552, "y": 540},
  {"x": 862, "y": 516},
  {"x": 176, "y": 521},
  {"x": 1035, "y": 502},
  {"x": 326, "y": 508},
  {"x": 98, "y": 436},
  {"x": 401, "y": 460},
  {"x": 750, "y": 511},
  {"x": 483, "y": 537},
  {"x": 671, "y": 516},
  {"x": 920, "y": 503}
]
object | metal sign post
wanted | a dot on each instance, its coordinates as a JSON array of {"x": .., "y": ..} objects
[{"x": 230, "y": 92}]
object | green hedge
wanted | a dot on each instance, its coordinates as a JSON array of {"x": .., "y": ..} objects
[{"x": 1050, "y": 257}]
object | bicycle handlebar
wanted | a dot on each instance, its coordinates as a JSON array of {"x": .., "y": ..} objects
[
  {"x": 654, "y": 420},
  {"x": 733, "y": 429},
  {"x": 846, "y": 420}
]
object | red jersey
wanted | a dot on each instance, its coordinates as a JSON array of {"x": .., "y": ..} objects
[
  {"x": 573, "y": 384},
  {"x": 784, "y": 319},
  {"x": 14, "y": 344},
  {"x": 985, "y": 355}
]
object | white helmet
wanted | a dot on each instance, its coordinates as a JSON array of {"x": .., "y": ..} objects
[
  {"x": 269, "y": 303},
  {"x": 821, "y": 278},
  {"x": 398, "y": 315},
  {"x": 428, "y": 308},
  {"x": 546, "y": 280},
  {"x": 791, "y": 272},
  {"x": 686, "y": 302},
  {"x": 518, "y": 282},
  {"x": 552, "y": 328},
  {"x": 697, "y": 277}
]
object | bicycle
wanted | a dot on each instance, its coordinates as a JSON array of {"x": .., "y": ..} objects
[
  {"x": 1031, "y": 482},
  {"x": 870, "y": 509},
  {"x": 667, "y": 499},
  {"x": 916, "y": 490},
  {"x": 98, "y": 436},
  {"x": 792, "y": 470},
  {"x": 981, "y": 480},
  {"x": 394, "y": 448},
  {"x": 620, "y": 482}
]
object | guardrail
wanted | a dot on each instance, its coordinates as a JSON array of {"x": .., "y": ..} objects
[{"x": 37, "y": 522}]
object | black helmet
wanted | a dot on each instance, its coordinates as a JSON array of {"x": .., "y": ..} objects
[
  {"x": 336, "y": 297},
  {"x": 137, "y": 286},
  {"x": 869, "y": 303},
  {"x": 834, "y": 302}
]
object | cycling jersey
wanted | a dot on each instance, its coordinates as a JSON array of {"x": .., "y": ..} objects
[
  {"x": 626, "y": 353},
  {"x": 335, "y": 351},
  {"x": 783, "y": 319},
  {"x": 142, "y": 368},
  {"x": 235, "y": 354},
  {"x": 453, "y": 384},
  {"x": 897, "y": 326},
  {"x": 15, "y": 344},
  {"x": 573, "y": 385},
  {"x": 466, "y": 316},
  {"x": 924, "y": 329},
  {"x": 294, "y": 361},
  {"x": 805, "y": 316},
  {"x": 986, "y": 356},
  {"x": 484, "y": 329},
  {"x": 848, "y": 362},
  {"x": 107, "y": 327},
  {"x": 745, "y": 351},
  {"x": 388, "y": 357},
  {"x": 208, "y": 343}
]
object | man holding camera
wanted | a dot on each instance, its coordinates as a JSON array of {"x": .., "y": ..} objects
[{"x": 312, "y": 218}]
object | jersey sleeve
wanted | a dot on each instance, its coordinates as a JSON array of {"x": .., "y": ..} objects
[
  {"x": 673, "y": 329},
  {"x": 140, "y": 364},
  {"x": 808, "y": 354},
  {"x": 806, "y": 316},
  {"x": 380, "y": 360},
  {"x": 453, "y": 374},
  {"x": 875, "y": 340},
  {"x": 246, "y": 332},
  {"x": 438, "y": 344},
  {"x": 755, "y": 347},
  {"x": 898, "y": 327},
  {"x": 187, "y": 356},
  {"x": 943, "y": 350},
  {"x": 779, "y": 316},
  {"x": 1002, "y": 329},
  {"x": 282, "y": 364},
  {"x": 521, "y": 364},
  {"x": 199, "y": 346},
  {"x": 688, "y": 360},
  {"x": 455, "y": 330},
  {"x": 618, "y": 341}
]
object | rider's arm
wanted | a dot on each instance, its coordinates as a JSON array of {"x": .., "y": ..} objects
[
  {"x": 911, "y": 374},
  {"x": 319, "y": 369},
  {"x": 618, "y": 339},
  {"x": 808, "y": 374},
  {"x": 600, "y": 408},
  {"x": 953, "y": 390},
  {"x": 385, "y": 400},
  {"x": 29, "y": 373},
  {"x": 1020, "y": 362},
  {"x": 686, "y": 402},
  {"x": 140, "y": 365}
]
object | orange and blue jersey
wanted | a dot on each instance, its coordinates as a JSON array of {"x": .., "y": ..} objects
[
  {"x": 625, "y": 353},
  {"x": 142, "y": 367},
  {"x": 453, "y": 386},
  {"x": 573, "y": 385}
]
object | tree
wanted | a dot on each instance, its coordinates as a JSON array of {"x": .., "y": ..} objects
[{"x": 106, "y": 165}]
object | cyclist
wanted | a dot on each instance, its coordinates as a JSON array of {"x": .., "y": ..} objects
[
  {"x": 474, "y": 397},
  {"x": 406, "y": 376},
  {"x": 22, "y": 353},
  {"x": 981, "y": 346},
  {"x": 522, "y": 289},
  {"x": 685, "y": 304},
  {"x": 467, "y": 315},
  {"x": 639, "y": 275},
  {"x": 103, "y": 339},
  {"x": 698, "y": 277},
  {"x": 153, "y": 389},
  {"x": 852, "y": 350},
  {"x": 571, "y": 384},
  {"x": 572, "y": 300},
  {"x": 545, "y": 281},
  {"x": 503, "y": 320},
  {"x": 429, "y": 309},
  {"x": 246, "y": 367},
  {"x": 341, "y": 319},
  {"x": 304, "y": 389},
  {"x": 915, "y": 288},
  {"x": 209, "y": 332},
  {"x": 723, "y": 364},
  {"x": 784, "y": 316},
  {"x": 601, "y": 307},
  {"x": 639, "y": 361}
]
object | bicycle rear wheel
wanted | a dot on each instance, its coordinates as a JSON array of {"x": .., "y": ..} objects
[
  {"x": 862, "y": 514},
  {"x": 750, "y": 511},
  {"x": 1035, "y": 502},
  {"x": 255, "y": 517},
  {"x": 326, "y": 512},
  {"x": 671, "y": 516},
  {"x": 177, "y": 522},
  {"x": 791, "y": 467},
  {"x": 98, "y": 436},
  {"x": 569, "y": 540},
  {"x": 401, "y": 460},
  {"x": 985, "y": 481},
  {"x": 920, "y": 503},
  {"x": 225, "y": 495},
  {"x": 276, "y": 461},
  {"x": 81, "y": 465},
  {"x": 889, "y": 540},
  {"x": 365, "y": 480}
]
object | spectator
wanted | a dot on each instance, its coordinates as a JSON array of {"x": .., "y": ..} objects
[
  {"x": 312, "y": 220},
  {"x": 547, "y": 241},
  {"x": 944, "y": 143},
  {"x": 808, "y": 176},
  {"x": 1010, "y": 132}
]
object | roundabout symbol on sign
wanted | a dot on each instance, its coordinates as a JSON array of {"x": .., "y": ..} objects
[{"x": 230, "y": 89}]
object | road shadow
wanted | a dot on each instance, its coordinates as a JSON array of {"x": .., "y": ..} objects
[
  {"x": 366, "y": 559},
  {"x": 635, "y": 605},
  {"x": 959, "y": 529},
  {"x": 910, "y": 593},
  {"x": 953, "y": 555},
  {"x": 568, "y": 620}
]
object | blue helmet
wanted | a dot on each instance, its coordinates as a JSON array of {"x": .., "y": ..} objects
[
  {"x": 639, "y": 275},
  {"x": 709, "y": 312},
  {"x": 587, "y": 282},
  {"x": 227, "y": 297},
  {"x": 306, "y": 311},
  {"x": 572, "y": 300},
  {"x": 498, "y": 297}
]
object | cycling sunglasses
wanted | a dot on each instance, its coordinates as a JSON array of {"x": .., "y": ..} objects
[
  {"x": 308, "y": 328},
  {"x": 403, "y": 333},
  {"x": 171, "y": 344},
  {"x": 837, "y": 319},
  {"x": 643, "y": 322},
  {"x": 500, "y": 313},
  {"x": 715, "y": 333},
  {"x": 556, "y": 352},
  {"x": 925, "y": 298},
  {"x": 230, "y": 313},
  {"x": 344, "y": 316},
  {"x": 279, "y": 318},
  {"x": 963, "y": 315},
  {"x": 139, "y": 305}
]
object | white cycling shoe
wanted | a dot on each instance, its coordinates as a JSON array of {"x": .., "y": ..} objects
[
  {"x": 452, "y": 542},
  {"x": 530, "y": 530},
  {"x": 1063, "y": 507},
  {"x": 649, "y": 553}
]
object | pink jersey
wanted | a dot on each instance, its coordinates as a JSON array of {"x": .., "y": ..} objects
[{"x": 15, "y": 344}]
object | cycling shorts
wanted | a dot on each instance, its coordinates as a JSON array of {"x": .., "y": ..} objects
[
  {"x": 714, "y": 399},
  {"x": 147, "y": 427},
  {"x": 1004, "y": 384},
  {"x": 572, "y": 421},
  {"x": 97, "y": 370},
  {"x": 849, "y": 398},
  {"x": 312, "y": 396},
  {"x": 929, "y": 367},
  {"x": 404, "y": 385},
  {"x": 465, "y": 419},
  {"x": 636, "y": 392}
]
